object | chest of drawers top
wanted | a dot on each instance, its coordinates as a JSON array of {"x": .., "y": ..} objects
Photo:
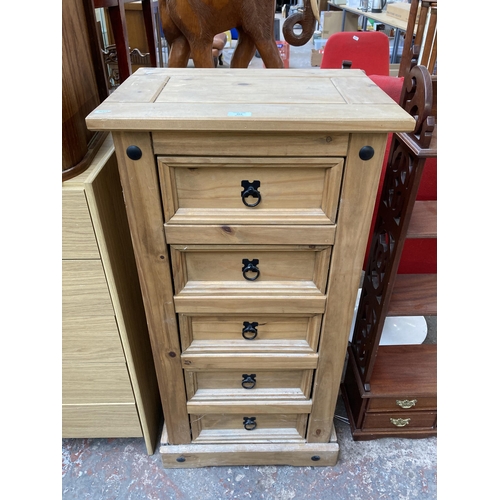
[{"x": 249, "y": 100}]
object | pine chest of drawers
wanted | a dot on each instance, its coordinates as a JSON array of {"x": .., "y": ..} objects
[{"x": 249, "y": 195}]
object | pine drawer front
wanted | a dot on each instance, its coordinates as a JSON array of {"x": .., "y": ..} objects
[
  {"x": 250, "y": 190},
  {"x": 248, "y": 427},
  {"x": 402, "y": 404},
  {"x": 247, "y": 269},
  {"x": 250, "y": 332},
  {"x": 400, "y": 421},
  {"x": 248, "y": 384}
]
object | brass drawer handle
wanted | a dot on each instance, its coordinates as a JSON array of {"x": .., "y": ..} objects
[
  {"x": 400, "y": 422},
  {"x": 249, "y": 331},
  {"x": 249, "y": 423},
  {"x": 250, "y": 189},
  {"x": 406, "y": 403},
  {"x": 248, "y": 381},
  {"x": 250, "y": 266}
]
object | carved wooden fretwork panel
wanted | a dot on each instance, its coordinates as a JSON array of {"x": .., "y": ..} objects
[{"x": 403, "y": 172}]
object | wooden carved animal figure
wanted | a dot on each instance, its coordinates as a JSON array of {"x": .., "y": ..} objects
[{"x": 189, "y": 27}]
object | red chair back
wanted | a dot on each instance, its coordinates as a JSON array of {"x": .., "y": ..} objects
[{"x": 367, "y": 50}]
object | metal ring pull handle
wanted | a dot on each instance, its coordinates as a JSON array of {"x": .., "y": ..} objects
[
  {"x": 249, "y": 423},
  {"x": 248, "y": 381},
  {"x": 250, "y": 266},
  {"x": 249, "y": 330},
  {"x": 250, "y": 189}
]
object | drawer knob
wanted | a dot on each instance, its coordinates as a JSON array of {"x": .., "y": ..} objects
[
  {"x": 248, "y": 381},
  {"x": 406, "y": 403},
  {"x": 366, "y": 153},
  {"x": 250, "y": 189},
  {"x": 249, "y": 331},
  {"x": 134, "y": 153},
  {"x": 400, "y": 422},
  {"x": 249, "y": 423},
  {"x": 250, "y": 266}
]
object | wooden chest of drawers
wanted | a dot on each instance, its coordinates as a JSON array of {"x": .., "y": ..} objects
[{"x": 249, "y": 196}]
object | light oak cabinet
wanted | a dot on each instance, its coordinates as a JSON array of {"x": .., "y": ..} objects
[
  {"x": 249, "y": 209},
  {"x": 109, "y": 386}
]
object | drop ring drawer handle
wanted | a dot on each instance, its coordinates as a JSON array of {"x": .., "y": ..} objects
[
  {"x": 400, "y": 422},
  {"x": 249, "y": 423},
  {"x": 250, "y": 266},
  {"x": 249, "y": 331},
  {"x": 250, "y": 189},
  {"x": 406, "y": 403},
  {"x": 248, "y": 381}
]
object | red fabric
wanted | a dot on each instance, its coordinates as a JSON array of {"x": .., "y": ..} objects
[
  {"x": 391, "y": 85},
  {"x": 367, "y": 50}
]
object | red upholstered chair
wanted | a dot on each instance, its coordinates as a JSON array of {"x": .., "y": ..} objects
[{"x": 366, "y": 50}]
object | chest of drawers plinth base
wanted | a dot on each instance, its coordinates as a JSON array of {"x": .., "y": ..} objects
[
  {"x": 249, "y": 212},
  {"x": 279, "y": 453}
]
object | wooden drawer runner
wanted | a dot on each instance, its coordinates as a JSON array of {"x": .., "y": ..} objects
[
  {"x": 402, "y": 404},
  {"x": 265, "y": 428},
  {"x": 202, "y": 190},
  {"x": 400, "y": 421},
  {"x": 248, "y": 384},
  {"x": 249, "y": 269},
  {"x": 250, "y": 332}
]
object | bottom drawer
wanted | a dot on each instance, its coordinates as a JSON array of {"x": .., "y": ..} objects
[
  {"x": 100, "y": 421},
  {"x": 248, "y": 428},
  {"x": 400, "y": 420}
]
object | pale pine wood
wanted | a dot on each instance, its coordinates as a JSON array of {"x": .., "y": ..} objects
[
  {"x": 243, "y": 216},
  {"x": 223, "y": 234},
  {"x": 145, "y": 217},
  {"x": 346, "y": 103},
  {"x": 282, "y": 409},
  {"x": 199, "y": 263},
  {"x": 279, "y": 143},
  {"x": 226, "y": 386},
  {"x": 359, "y": 190},
  {"x": 197, "y": 183},
  {"x": 224, "y": 333},
  {"x": 231, "y": 361},
  {"x": 100, "y": 421},
  {"x": 78, "y": 238},
  {"x": 208, "y": 137},
  {"x": 266, "y": 304}
]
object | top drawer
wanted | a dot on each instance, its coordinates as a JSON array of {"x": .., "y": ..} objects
[{"x": 211, "y": 190}]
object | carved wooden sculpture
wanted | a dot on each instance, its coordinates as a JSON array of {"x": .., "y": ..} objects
[{"x": 190, "y": 26}]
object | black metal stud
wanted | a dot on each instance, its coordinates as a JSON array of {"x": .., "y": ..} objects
[
  {"x": 315, "y": 458},
  {"x": 180, "y": 459},
  {"x": 366, "y": 153},
  {"x": 134, "y": 152}
]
